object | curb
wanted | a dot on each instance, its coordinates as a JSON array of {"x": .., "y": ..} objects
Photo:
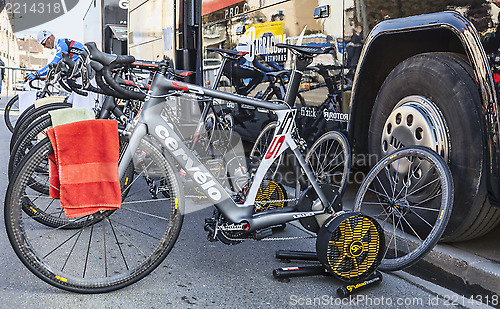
[{"x": 463, "y": 268}]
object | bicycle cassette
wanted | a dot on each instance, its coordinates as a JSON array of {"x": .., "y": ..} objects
[
  {"x": 271, "y": 195},
  {"x": 350, "y": 246}
]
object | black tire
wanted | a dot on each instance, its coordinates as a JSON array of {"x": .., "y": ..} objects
[
  {"x": 397, "y": 193},
  {"x": 38, "y": 186},
  {"x": 140, "y": 235},
  {"x": 25, "y": 113},
  {"x": 11, "y": 112},
  {"x": 23, "y": 124},
  {"x": 216, "y": 136},
  {"x": 26, "y": 141},
  {"x": 441, "y": 86},
  {"x": 330, "y": 160}
]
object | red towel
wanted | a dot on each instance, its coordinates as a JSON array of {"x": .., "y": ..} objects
[{"x": 84, "y": 167}]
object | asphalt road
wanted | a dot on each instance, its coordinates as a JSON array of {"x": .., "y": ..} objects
[{"x": 200, "y": 274}]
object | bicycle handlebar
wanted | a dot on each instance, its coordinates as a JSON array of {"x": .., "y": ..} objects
[
  {"x": 68, "y": 61},
  {"x": 76, "y": 88},
  {"x": 109, "y": 62},
  {"x": 64, "y": 86},
  {"x": 106, "y": 73},
  {"x": 98, "y": 67},
  {"x": 33, "y": 86}
]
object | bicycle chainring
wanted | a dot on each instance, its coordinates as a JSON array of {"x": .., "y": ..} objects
[{"x": 230, "y": 233}]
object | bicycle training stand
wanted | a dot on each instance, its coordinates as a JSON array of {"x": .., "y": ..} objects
[{"x": 284, "y": 273}]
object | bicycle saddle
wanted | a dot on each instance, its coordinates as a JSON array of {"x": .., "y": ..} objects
[
  {"x": 107, "y": 59},
  {"x": 277, "y": 74},
  {"x": 226, "y": 52},
  {"x": 309, "y": 51}
]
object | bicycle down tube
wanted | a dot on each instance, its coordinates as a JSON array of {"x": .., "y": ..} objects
[{"x": 151, "y": 122}]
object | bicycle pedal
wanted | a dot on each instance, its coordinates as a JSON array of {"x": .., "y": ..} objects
[
  {"x": 210, "y": 228},
  {"x": 263, "y": 233}
]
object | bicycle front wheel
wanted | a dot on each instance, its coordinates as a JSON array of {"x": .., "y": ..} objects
[
  {"x": 410, "y": 193},
  {"x": 11, "y": 112},
  {"x": 29, "y": 138},
  {"x": 26, "y": 120},
  {"x": 110, "y": 249}
]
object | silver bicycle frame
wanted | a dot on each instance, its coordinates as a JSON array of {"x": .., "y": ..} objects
[{"x": 151, "y": 122}]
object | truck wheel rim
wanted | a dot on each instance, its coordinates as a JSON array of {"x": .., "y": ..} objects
[{"x": 416, "y": 120}]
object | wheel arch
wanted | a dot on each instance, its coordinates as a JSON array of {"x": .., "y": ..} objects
[{"x": 393, "y": 41}]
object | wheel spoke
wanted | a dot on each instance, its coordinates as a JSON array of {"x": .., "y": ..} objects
[
  {"x": 383, "y": 188},
  {"x": 117, "y": 243},
  {"x": 130, "y": 241},
  {"x": 133, "y": 229},
  {"x": 426, "y": 185},
  {"x": 412, "y": 229}
]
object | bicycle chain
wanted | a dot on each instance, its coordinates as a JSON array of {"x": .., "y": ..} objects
[
  {"x": 280, "y": 238},
  {"x": 276, "y": 201}
]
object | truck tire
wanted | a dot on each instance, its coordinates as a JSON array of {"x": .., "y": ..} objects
[{"x": 432, "y": 100}]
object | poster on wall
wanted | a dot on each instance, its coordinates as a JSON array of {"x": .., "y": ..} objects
[{"x": 261, "y": 39}]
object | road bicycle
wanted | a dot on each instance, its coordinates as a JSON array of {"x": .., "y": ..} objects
[
  {"x": 109, "y": 109},
  {"x": 52, "y": 88},
  {"x": 113, "y": 249},
  {"x": 315, "y": 131}
]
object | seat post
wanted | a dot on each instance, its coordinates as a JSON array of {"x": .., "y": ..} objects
[
  {"x": 219, "y": 73},
  {"x": 301, "y": 63}
]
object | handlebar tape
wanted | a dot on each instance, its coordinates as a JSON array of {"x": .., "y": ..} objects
[
  {"x": 106, "y": 72},
  {"x": 105, "y": 88},
  {"x": 32, "y": 86},
  {"x": 65, "y": 87},
  {"x": 76, "y": 88}
]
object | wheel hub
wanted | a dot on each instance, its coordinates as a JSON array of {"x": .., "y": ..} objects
[{"x": 415, "y": 120}]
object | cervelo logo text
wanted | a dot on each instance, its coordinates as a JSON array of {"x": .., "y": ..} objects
[
  {"x": 205, "y": 180},
  {"x": 275, "y": 147},
  {"x": 186, "y": 87}
]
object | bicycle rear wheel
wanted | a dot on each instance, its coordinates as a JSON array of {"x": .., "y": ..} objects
[
  {"x": 111, "y": 249},
  {"x": 260, "y": 147},
  {"x": 330, "y": 160},
  {"x": 410, "y": 193}
]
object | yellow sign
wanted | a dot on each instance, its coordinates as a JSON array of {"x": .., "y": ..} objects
[{"x": 262, "y": 38}]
